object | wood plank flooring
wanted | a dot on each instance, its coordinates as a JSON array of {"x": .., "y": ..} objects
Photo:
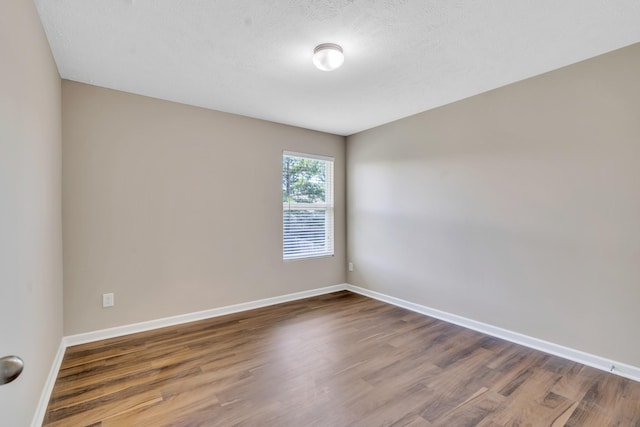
[{"x": 335, "y": 360}]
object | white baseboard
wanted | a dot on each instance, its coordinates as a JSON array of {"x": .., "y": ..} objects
[
  {"x": 191, "y": 317},
  {"x": 41, "y": 409},
  {"x": 602, "y": 363}
]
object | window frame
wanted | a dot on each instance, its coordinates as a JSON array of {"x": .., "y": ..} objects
[{"x": 327, "y": 206}]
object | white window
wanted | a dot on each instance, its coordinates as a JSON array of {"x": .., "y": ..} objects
[{"x": 307, "y": 205}]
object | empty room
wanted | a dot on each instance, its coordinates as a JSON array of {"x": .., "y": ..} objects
[{"x": 323, "y": 213}]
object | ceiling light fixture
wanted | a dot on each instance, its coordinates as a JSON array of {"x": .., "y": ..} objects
[{"x": 328, "y": 56}]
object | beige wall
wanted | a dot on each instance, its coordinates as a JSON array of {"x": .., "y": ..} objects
[
  {"x": 30, "y": 223},
  {"x": 519, "y": 207},
  {"x": 178, "y": 209}
]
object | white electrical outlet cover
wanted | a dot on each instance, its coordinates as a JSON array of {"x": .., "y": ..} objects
[{"x": 107, "y": 300}]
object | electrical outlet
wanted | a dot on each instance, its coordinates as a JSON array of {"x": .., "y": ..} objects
[
  {"x": 107, "y": 300},
  {"x": 350, "y": 266}
]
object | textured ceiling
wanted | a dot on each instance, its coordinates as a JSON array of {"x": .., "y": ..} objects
[{"x": 253, "y": 57}]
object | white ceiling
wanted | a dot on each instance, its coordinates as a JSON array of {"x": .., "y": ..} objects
[{"x": 253, "y": 57}]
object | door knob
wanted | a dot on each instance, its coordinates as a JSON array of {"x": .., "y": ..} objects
[{"x": 10, "y": 368}]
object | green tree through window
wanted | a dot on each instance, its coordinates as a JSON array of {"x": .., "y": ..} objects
[{"x": 303, "y": 180}]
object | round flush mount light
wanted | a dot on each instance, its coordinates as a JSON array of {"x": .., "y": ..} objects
[{"x": 328, "y": 56}]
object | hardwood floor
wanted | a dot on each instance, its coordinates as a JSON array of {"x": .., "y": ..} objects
[{"x": 334, "y": 360}]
